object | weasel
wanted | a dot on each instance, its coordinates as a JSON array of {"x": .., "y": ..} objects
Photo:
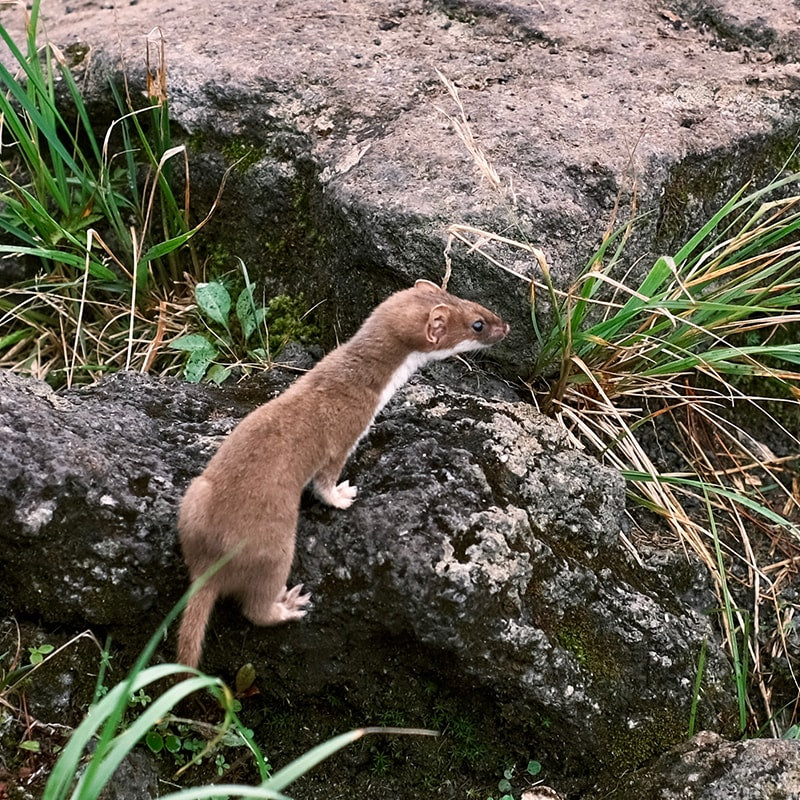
[{"x": 245, "y": 504}]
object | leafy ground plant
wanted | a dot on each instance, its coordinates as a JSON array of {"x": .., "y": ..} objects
[
  {"x": 705, "y": 340},
  {"x": 244, "y": 333},
  {"x": 17, "y": 674},
  {"x": 505, "y": 785},
  {"x": 110, "y": 252}
]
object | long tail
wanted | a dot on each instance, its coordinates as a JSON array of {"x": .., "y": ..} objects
[{"x": 192, "y": 631}]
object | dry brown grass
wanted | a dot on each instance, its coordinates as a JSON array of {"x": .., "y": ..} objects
[{"x": 618, "y": 360}]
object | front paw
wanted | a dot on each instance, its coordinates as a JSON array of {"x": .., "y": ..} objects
[{"x": 343, "y": 495}]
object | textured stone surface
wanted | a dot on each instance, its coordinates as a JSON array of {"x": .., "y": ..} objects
[
  {"x": 482, "y": 553},
  {"x": 710, "y": 768}
]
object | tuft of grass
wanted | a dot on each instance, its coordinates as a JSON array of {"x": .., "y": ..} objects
[
  {"x": 684, "y": 346},
  {"x": 110, "y": 251}
]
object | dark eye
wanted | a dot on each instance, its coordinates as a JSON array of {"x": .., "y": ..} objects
[{"x": 477, "y": 326}]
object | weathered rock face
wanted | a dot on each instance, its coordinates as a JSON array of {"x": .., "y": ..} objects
[
  {"x": 709, "y": 768},
  {"x": 483, "y": 556},
  {"x": 350, "y": 172}
]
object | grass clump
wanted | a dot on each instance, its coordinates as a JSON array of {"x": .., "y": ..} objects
[
  {"x": 110, "y": 250},
  {"x": 118, "y": 280},
  {"x": 676, "y": 358}
]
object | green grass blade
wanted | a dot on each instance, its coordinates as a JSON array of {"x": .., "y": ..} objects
[
  {"x": 724, "y": 359},
  {"x": 105, "y": 717},
  {"x": 66, "y": 768},
  {"x": 96, "y": 268},
  {"x": 739, "y": 667},
  {"x": 13, "y": 229},
  {"x": 32, "y": 212},
  {"x": 12, "y": 338},
  {"x": 49, "y": 115},
  {"x": 297, "y": 768},
  {"x": 25, "y": 141},
  {"x": 108, "y": 760},
  {"x": 709, "y": 227},
  {"x": 698, "y": 683},
  {"x": 225, "y": 790},
  {"x": 87, "y": 131},
  {"x": 155, "y": 157},
  {"x": 38, "y": 119},
  {"x": 729, "y": 494},
  {"x": 170, "y": 245},
  {"x": 131, "y": 169},
  {"x": 659, "y": 273}
]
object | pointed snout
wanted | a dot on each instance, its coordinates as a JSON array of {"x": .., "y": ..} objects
[{"x": 500, "y": 330}]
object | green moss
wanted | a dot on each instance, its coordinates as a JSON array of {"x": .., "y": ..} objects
[
  {"x": 219, "y": 259},
  {"x": 237, "y": 151},
  {"x": 705, "y": 181},
  {"x": 76, "y": 53},
  {"x": 288, "y": 321},
  {"x": 580, "y": 638},
  {"x": 573, "y": 641},
  {"x": 242, "y": 154},
  {"x": 629, "y": 748},
  {"x": 299, "y": 233}
]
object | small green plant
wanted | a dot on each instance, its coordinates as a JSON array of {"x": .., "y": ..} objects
[
  {"x": 245, "y": 327},
  {"x": 37, "y": 654},
  {"x": 504, "y": 785},
  {"x": 16, "y": 678},
  {"x": 139, "y": 699},
  {"x": 221, "y": 764},
  {"x": 381, "y": 762},
  {"x": 189, "y": 742},
  {"x": 159, "y": 739}
]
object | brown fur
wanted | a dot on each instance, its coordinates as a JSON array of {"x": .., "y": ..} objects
[{"x": 246, "y": 501}]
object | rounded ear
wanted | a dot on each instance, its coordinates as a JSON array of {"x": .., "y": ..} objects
[
  {"x": 423, "y": 284},
  {"x": 438, "y": 319}
]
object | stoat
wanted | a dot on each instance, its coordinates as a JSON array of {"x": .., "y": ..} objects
[{"x": 246, "y": 501}]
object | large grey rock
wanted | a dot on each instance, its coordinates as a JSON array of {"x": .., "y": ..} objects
[
  {"x": 482, "y": 555},
  {"x": 351, "y": 173},
  {"x": 710, "y": 768}
]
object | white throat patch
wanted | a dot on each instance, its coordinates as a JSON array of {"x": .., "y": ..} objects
[
  {"x": 416, "y": 360},
  {"x": 412, "y": 363}
]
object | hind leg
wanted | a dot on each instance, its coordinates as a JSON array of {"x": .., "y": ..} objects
[
  {"x": 266, "y": 599},
  {"x": 288, "y": 605}
]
